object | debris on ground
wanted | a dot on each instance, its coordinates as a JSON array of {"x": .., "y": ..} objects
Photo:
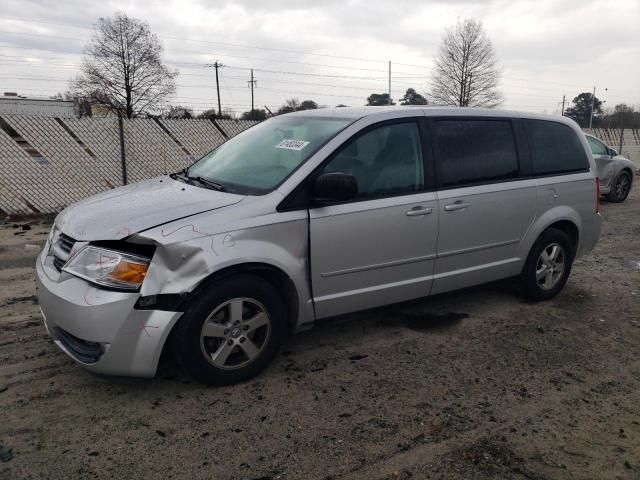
[
  {"x": 5, "y": 453},
  {"x": 26, "y": 299}
]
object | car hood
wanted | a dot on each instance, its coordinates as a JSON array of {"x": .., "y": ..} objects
[{"x": 121, "y": 212}]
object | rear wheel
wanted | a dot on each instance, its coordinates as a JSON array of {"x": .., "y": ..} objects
[
  {"x": 548, "y": 265},
  {"x": 231, "y": 332},
  {"x": 620, "y": 188}
]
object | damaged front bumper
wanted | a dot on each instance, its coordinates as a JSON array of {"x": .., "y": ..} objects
[{"x": 101, "y": 329}]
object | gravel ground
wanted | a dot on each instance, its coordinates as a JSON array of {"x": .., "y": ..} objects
[{"x": 477, "y": 384}]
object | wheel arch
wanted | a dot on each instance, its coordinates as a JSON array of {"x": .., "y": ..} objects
[
  {"x": 272, "y": 274},
  {"x": 562, "y": 218},
  {"x": 629, "y": 170},
  {"x": 570, "y": 229},
  {"x": 268, "y": 272}
]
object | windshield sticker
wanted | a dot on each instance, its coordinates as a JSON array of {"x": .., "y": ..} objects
[{"x": 291, "y": 144}]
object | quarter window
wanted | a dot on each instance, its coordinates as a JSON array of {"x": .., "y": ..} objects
[
  {"x": 555, "y": 147},
  {"x": 385, "y": 161},
  {"x": 475, "y": 151}
]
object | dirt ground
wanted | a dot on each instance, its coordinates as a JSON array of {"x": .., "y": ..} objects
[{"x": 477, "y": 384}]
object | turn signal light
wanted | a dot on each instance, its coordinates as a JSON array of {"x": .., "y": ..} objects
[{"x": 129, "y": 272}]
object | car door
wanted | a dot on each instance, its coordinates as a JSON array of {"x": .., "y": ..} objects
[
  {"x": 604, "y": 161},
  {"x": 485, "y": 206},
  {"x": 378, "y": 248}
]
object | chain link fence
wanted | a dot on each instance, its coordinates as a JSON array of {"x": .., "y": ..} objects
[{"x": 48, "y": 163}]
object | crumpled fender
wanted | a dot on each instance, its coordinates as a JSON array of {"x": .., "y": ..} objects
[{"x": 190, "y": 250}]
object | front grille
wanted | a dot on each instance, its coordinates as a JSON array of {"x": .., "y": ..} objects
[
  {"x": 58, "y": 263},
  {"x": 66, "y": 243},
  {"x": 61, "y": 250},
  {"x": 84, "y": 351}
]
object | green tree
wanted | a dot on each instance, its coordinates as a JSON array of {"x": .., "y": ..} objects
[
  {"x": 308, "y": 105},
  {"x": 179, "y": 112},
  {"x": 294, "y": 105},
  {"x": 379, "y": 99},
  {"x": 411, "y": 97},
  {"x": 581, "y": 109},
  {"x": 256, "y": 114},
  {"x": 213, "y": 113}
]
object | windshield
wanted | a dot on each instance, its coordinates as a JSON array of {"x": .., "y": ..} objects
[{"x": 258, "y": 159}]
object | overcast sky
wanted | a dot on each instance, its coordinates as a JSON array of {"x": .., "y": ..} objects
[{"x": 336, "y": 51}]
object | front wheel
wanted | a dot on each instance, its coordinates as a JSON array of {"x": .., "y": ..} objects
[
  {"x": 548, "y": 265},
  {"x": 232, "y": 331},
  {"x": 620, "y": 188}
]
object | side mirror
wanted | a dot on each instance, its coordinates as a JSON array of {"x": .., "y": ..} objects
[
  {"x": 613, "y": 152},
  {"x": 334, "y": 187}
]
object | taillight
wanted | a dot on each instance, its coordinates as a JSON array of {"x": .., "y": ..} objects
[{"x": 597, "y": 195}]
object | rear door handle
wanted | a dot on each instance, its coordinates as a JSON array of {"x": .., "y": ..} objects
[
  {"x": 417, "y": 211},
  {"x": 459, "y": 205}
]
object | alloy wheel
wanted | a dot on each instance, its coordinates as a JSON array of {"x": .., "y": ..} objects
[
  {"x": 235, "y": 333},
  {"x": 622, "y": 186},
  {"x": 550, "y": 266}
]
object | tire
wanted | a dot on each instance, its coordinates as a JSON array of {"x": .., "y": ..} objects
[
  {"x": 620, "y": 188},
  {"x": 231, "y": 331},
  {"x": 539, "y": 281}
]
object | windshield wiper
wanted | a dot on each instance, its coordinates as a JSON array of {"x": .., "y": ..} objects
[
  {"x": 209, "y": 183},
  {"x": 181, "y": 175}
]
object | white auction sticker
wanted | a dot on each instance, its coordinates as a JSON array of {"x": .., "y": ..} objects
[{"x": 291, "y": 144}]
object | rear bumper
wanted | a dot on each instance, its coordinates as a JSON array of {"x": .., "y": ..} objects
[{"x": 100, "y": 329}]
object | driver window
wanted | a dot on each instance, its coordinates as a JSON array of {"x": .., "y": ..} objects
[
  {"x": 385, "y": 161},
  {"x": 597, "y": 147}
]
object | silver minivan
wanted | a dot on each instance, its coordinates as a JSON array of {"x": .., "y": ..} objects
[{"x": 311, "y": 215}]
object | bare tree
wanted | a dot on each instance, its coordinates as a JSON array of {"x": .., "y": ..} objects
[
  {"x": 466, "y": 72},
  {"x": 123, "y": 68}
]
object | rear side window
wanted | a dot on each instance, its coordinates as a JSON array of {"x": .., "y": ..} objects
[
  {"x": 474, "y": 151},
  {"x": 555, "y": 148}
]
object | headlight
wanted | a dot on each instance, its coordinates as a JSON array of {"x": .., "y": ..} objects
[
  {"x": 109, "y": 267},
  {"x": 52, "y": 234}
]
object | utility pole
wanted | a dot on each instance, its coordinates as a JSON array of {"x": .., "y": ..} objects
[
  {"x": 217, "y": 65},
  {"x": 252, "y": 83},
  {"x": 593, "y": 100},
  {"x": 563, "y": 100},
  {"x": 389, "y": 82},
  {"x": 123, "y": 159}
]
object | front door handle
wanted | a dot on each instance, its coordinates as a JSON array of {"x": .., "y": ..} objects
[
  {"x": 417, "y": 211},
  {"x": 459, "y": 205}
]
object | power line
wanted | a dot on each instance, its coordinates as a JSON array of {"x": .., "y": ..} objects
[
  {"x": 412, "y": 76},
  {"x": 206, "y": 53},
  {"x": 211, "y": 42},
  {"x": 30, "y": 20}
]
